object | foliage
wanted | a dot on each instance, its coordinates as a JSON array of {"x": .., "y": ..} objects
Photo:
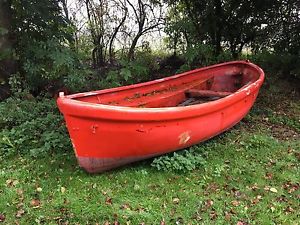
[
  {"x": 134, "y": 71},
  {"x": 31, "y": 127},
  {"x": 131, "y": 72},
  {"x": 258, "y": 142},
  {"x": 202, "y": 55},
  {"x": 38, "y": 20},
  {"x": 43, "y": 40},
  {"x": 234, "y": 25},
  {"x": 185, "y": 160},
  {"x": 283, "y": 64},
  {"x": 79, "y": 79},
  {"x": 48, "y": 61}
]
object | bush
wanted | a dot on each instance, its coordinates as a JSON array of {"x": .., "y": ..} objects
[
  {"x": 284, "y": 64},
  {"x": 32, "y": 127},
  {"x": 185, "y": 160},
  {"x": 202, "y": 55},
  {"x": 135, "y": 71},
  {"x": 48, "y": 62}
]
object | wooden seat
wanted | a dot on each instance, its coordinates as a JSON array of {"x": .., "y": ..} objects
[{"x": 206, "y": 93}]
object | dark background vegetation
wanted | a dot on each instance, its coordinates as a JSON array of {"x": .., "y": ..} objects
[{"x": 44, "y": 50}]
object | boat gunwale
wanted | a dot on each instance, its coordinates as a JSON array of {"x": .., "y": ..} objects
[{"x": 87, "y": 109}]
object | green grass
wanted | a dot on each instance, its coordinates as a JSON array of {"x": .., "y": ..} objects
[{"x": 251, "y": 174}]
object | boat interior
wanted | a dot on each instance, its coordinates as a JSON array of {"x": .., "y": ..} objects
[{"x": 194, "y": 87}]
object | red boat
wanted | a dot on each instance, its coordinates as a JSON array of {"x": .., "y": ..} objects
[{"x": 113, "y": 127}]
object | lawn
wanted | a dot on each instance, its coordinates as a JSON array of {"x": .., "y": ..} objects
[{"x": 250, "y": 175}]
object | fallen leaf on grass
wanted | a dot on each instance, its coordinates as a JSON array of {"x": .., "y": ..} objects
[
  {"x": 20, "y": 213},
  {"x": 162, "y": 222},
  {"x": 236, "y": 193},
  {"x": 108, "y": 201},
  {"x": 62, "y": 190},
  {"x": 289, "y": 209},
  {"x": 139, "y": 209},
  {"x": 209, "y": 203},
  {"x": 235, "y": 203},
  {"x": 232, "y": 211},
  {"x": 254, "y": 187},
  {"x": 227, "y": 216},
  {"x": 297, "y": 155},
  {"x": 176, "y": 200},
  {"x": 35, "y": 203},
  {"x": 20, "y": 205},
  {"x": 267, "y": 188},
  {"x": 66, "y": 201},
  {"x": 177, "y": 221},
  {"x": 20, "y": 192},
  {"x": 274, "y": 190},
  {"x": 63, "y": 210},
  {"x": 213, "y": 215},
  {"x": 39, "y": 189},
  {"x": 136, "y": 187},
  {"x": 269, "y": 176},
  {"x": 271, "y": 162},
  {"x": 125, "y": 206},
  {"x": 21, "y": 195},
  {"x": 11, "y": 183},
  {"x": 291, "y": 187},
  {"x": 212, "y": 188},
  {"x": 281, "y": 198},
  {"x": 197, "y": 217},
  {"x": 256, "y": 199},
  {"x": 2, "y": 217}
]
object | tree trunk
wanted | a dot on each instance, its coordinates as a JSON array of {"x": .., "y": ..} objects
[
  {"x": 234, "y": 51},
  {"x": 218, "y": 31},
  {"x": 133, "y": 45},
  {"x": 72, "y": 38},
  {"x": 7, "y": 63},
  {"x": 116, "y": 30}
]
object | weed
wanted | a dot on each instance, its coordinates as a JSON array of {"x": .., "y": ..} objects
[
  {"x": 31, "y": 127},
  {"x": 185, "y": 160}
]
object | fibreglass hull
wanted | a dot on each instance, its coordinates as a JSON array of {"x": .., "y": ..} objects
[{"x": 114, "y": 127}]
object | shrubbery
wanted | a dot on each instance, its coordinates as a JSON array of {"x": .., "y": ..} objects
[
  {"x": 282, "y": 64},
  {"x": 50, "y": 65},
  {"x": 31, "y": 126},
  {"x": 185, "y": 160},
  {"x": 130, "y": 72},
  {"x": 202, "y": 55}
]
